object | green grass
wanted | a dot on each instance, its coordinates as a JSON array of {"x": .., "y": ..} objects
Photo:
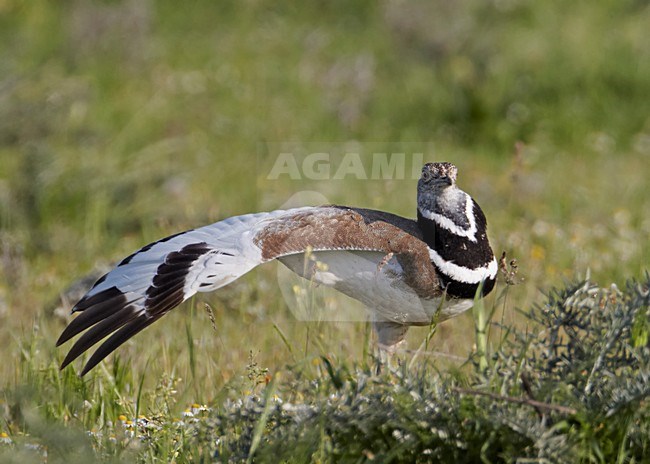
[{"x": 122, "y": 122}]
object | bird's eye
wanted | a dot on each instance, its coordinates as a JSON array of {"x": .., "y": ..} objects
[{"x": 426, "y": 175}]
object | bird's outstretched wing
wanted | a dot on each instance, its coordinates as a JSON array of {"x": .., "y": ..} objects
[{"x": 155, "y": 279}]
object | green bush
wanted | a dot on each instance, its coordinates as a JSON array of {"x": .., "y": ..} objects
[{"x": 570, "y": 387}]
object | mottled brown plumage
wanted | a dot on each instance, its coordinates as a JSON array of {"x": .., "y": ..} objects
[{"x": 354, "y": 229}]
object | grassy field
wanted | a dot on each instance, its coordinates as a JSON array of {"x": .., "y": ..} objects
[{"x": 124, "y": 121}]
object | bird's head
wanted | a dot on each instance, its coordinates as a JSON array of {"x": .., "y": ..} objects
[{"x": 436, "y": 178}]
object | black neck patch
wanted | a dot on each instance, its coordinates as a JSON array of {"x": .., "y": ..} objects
[
  {"x": 460, "y": 251},
  {"x": 462, "y": 290}
]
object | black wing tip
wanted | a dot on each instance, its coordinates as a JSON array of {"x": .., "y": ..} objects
[
  {"x": 117, "y": 339},
  {"x": 94, "y": 309},
  {"x": 103, "y": 312},
  {"x": 100, "y": 330},
  {"x": 87, "y": 368},
  {"x": 66, "y": 362},
  {"x": 90, "y": 300}
]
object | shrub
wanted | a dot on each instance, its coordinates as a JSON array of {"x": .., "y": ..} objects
[{"x": 572, "y": 386}]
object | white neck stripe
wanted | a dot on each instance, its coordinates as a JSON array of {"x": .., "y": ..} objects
[
  {"x": 451, "y": 226},
  {"x": 461, "y": 273}
]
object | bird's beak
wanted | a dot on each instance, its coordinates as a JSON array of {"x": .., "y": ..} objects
[{"x": 445, "y": 181}]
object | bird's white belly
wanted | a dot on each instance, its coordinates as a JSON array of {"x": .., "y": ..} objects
[{"x": 375, "y": 280}]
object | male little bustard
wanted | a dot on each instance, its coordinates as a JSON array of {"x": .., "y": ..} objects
[{"x": 406, "y": 272}]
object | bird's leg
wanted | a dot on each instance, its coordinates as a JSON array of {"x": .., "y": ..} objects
[{"x": 390, "y": 339}]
